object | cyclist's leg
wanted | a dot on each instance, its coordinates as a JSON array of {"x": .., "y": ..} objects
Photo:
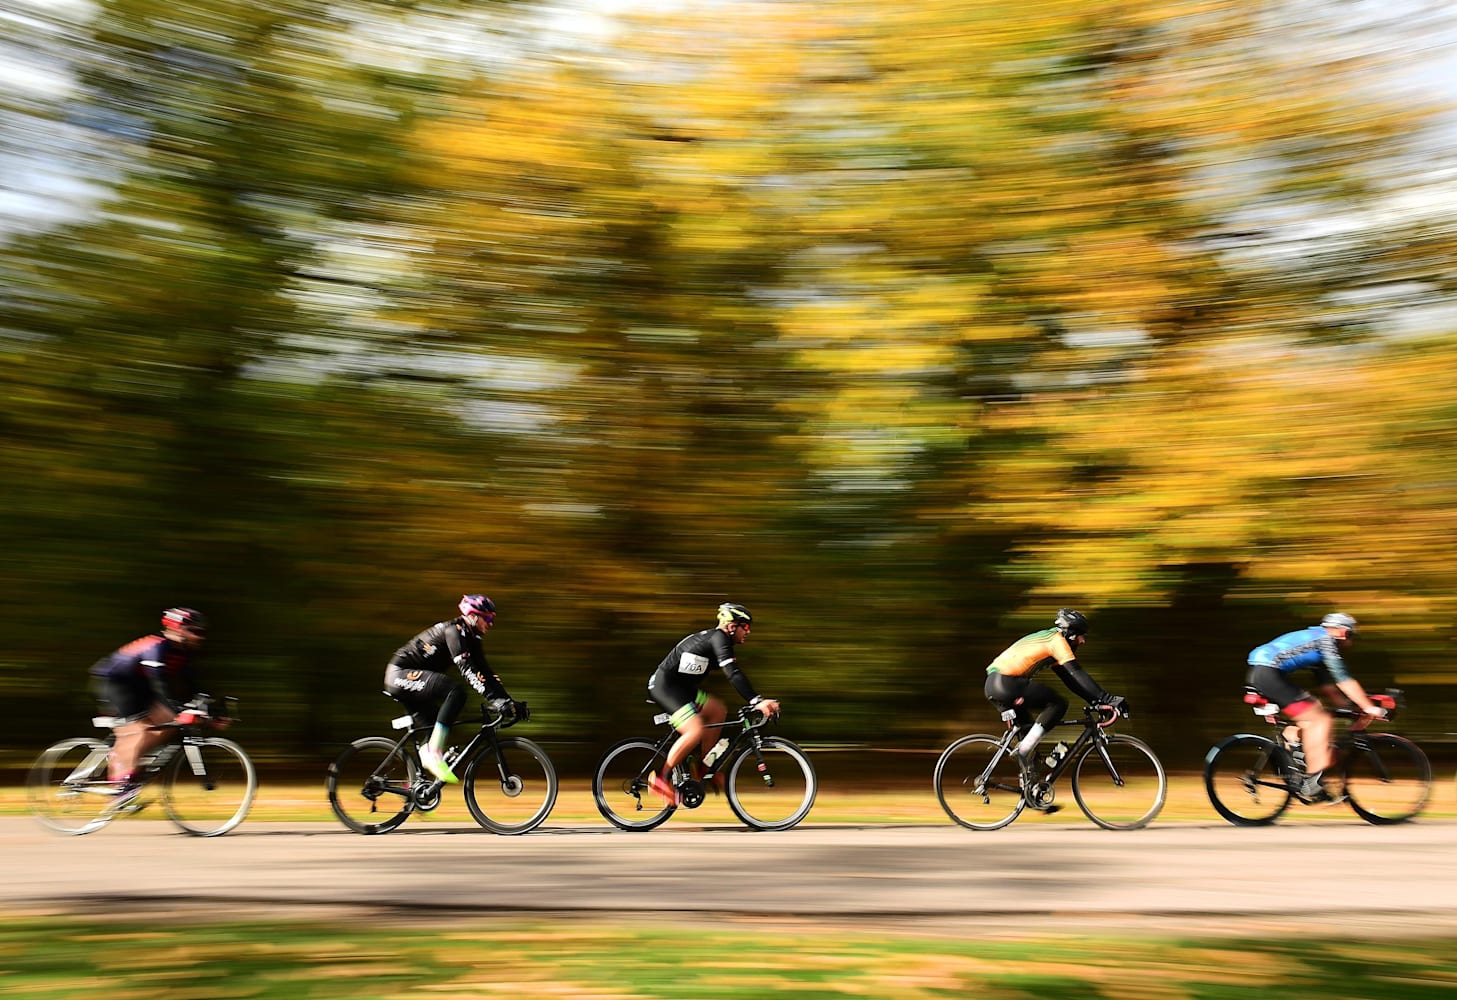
[
  {"x": 425, "y": 693},
  {"x": 1050, "y": 708},
  {"x": 1302, "y": 708}
]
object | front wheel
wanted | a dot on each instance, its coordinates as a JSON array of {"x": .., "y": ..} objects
[
  {"x": 1388, "y": 778},
  {"x": 209, "y": 788},
  {"x": 620, "y": 786},
  {"x": 517, "y": 801},
  {"x": 978, "y": 782},
  {"x": 771, "y": 785},
  {"x": 1245, "y": 779},
  {"x": 1119, "y": 783},
  {"x": 370, "y": 785},
  {"x": 67, "y": 787}
]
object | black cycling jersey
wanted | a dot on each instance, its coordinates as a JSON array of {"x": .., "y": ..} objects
[
  {"x": 153, "y": 667},
  {"x": 686, "y": 667},
  {"x": 447, "y": 644}
]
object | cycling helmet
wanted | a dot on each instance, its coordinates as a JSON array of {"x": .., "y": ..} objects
[
  {"x": 185, "y": 620},
  {"x": 1338, "y": 619},
  {"x": 478, "y": 604},
  {"x": 736, "y": 614},
  {"x": 1072, "y": 623}
]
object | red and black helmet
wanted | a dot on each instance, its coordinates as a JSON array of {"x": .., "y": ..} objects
[{"x": 185, "y": 620}]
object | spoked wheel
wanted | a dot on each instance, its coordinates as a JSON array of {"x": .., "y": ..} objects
[
  {"x": 979, "y": 783},
  {"x": 1388, "y": 778},
  {"x": 620, "y": 786},
  {"x": 369, "y": 785},
  {"x": 1245, "y": 782},
  {"x": 771, "y": 786},
  {"x": 1119, "y": 783},
  {"x": 209, "y": 787},
  {"x": 67, "y": 787},
  {"x": 519, "y": 801}
]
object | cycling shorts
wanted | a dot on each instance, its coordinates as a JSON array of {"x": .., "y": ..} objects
[
  {"x": 1277, "y": 686},
  {"x": 416, "y": 689},
  {"x": 128, "y": 699},
  {"x": 680, "y": 705}
]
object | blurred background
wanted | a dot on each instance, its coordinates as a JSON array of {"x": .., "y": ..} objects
[{"x": 903, "y": 324}]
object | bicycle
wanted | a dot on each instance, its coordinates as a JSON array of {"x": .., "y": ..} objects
[
  {"x": 769, "y": 781},
  {"x": 206, "y": 783},
  {"x": 1118, "y": 782},
  {"x": 509, "y": 783},
  {"x": 1251, "y": 779}
]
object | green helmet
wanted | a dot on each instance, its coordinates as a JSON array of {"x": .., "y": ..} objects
[{"x": 736, "y": 614}]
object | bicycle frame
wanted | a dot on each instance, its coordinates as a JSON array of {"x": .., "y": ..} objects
[
  {"x": 426, "y": 792},
  {"x": 743, "y": 727},
  {"x": 1094, "y": 731}
]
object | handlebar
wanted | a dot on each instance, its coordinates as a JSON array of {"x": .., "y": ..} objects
[{"x": 753, "y": 718}]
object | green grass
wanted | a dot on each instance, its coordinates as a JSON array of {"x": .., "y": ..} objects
[{"x": 46, "y": 958}]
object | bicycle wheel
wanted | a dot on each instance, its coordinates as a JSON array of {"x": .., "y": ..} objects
[
  {"x": 772, "y": 786},
  {"x": 979, "y": 783},
  {"x": 370, "y": 785},
  {"x": 209, "y": 787},
  {"x": 67, "y": 787},
  {"x": 620, "y": 786},
  {"x": 1119, "y": 784},
  {"x": 519, "y": 802},
  {"x": 1388, "y": 779},
  {"x": 1245, "y": 780}
]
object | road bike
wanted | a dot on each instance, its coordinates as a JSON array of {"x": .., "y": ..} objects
[
  {"x": 1118, "y": 782},
  {"x": 206, "y": 783},
  {"x": 509, "y": 782},
  {"x": 768, "y": 781},
  {"x": 1252, "y": 779}
]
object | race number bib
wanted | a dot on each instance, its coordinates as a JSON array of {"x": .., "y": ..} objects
[{"x": 692, "y": 663}]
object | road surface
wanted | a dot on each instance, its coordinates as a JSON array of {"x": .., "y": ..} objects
[{"x": 1165, "y": 879}]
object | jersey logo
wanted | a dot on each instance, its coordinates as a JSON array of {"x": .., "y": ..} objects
[
  {"x": 428, "y": 649},
  {"x": 692, "y": 663}
]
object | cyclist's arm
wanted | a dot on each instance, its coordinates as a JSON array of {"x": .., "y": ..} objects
[
  {"x": 1080, "y": 683},
  {"x": 471, "y": 663},
  {"x": 1353, "y": 690},
  {"x": 723, "y": 647}
]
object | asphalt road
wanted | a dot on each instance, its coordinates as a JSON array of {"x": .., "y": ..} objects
[{"x": 1166, "y": 879}]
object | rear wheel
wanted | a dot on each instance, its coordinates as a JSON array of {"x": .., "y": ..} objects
[
  {"x": 209, "y": 787},
  {"x": 771, "y": 786},
  {"x": 1119, "y": 783},
  {"x": 1388, "y": 778},
  {"x": 978, "y": 782},
  {"x": 620, "y": 786},
  {"x": 370, "y": 785},
  {"x": 67, "y": 786},
  {"x": 519, "y": 801},
  {"x": 1245, "y": 780}
]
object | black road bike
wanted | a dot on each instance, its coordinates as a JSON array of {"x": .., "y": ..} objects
[
  {"x": 509, "y": 783},
  {"x": 206, "y": 783},
  {"x": 1118, "y": 782},
  {"x": 1252, "y": 779},
  {"x": 768, "y": 781}
]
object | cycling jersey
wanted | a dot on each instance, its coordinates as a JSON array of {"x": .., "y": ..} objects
[
  {"x": 151, "y": 668},
  {"x": 686, "y": 666},
  {"x": 436, "y": 650},
  {"x": 1308, "y": 648},
  {"x": 1031, "y": 653}
]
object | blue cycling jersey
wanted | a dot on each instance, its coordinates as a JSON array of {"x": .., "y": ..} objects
[{"x": 1304, "y": 648}]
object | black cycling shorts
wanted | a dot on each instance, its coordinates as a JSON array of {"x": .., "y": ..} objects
[
  {"x": 127, "y": 699},
  {"x": 1276, "y": 685},
  {"x": 421, "y": 691}
]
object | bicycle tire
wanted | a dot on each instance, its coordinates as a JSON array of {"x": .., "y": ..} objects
[
  {"x": 779, "y": 805},
  {"x": 1245, "y": 779},
  {"x": 619, "y": 786},
  {"x": 966, "y": 798},
  {"x": 369, "y": 772},
  {"x": 67, "y": 789},
  {"x": 1135, "y": 802},
  {"x": 1388, "y": 782},
  {"x": 526, "y": 798},
  {"x": 208, "y": 788}
]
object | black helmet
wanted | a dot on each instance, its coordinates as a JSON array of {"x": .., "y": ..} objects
[
  {"x": 1072, "y": 623},
  {"x": 733, "y": 613}
]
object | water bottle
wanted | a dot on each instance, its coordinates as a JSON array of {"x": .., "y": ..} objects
[
  {"x": 450, "y": 755},
  {"x": 1058, "y": 753},
  {"x": 711, "y": 758}
]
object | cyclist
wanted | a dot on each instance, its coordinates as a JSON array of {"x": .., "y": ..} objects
[
  {"x": 1317, "y": 648},
  {"x": 1010, "y": 686},
  {"x": 677, "y": 685},
  {"x": 142, "y": 684},
  {"x": 418, "y": 676}
]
